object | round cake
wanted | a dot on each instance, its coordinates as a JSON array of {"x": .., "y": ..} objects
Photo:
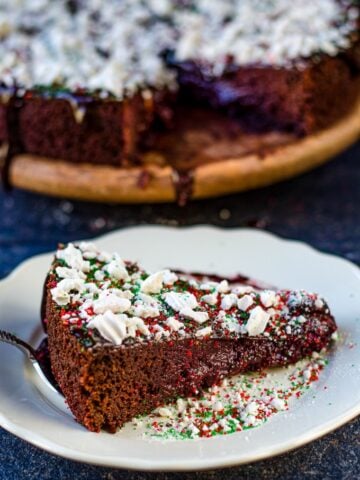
[{"x": 162, "y": 99}]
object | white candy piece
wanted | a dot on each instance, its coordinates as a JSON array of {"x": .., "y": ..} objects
[
  {"x": 242, "y": 289},
  {"x": 174, "y": 324},
  {"x": 206, "y": 286},
  {"x": 230, "y": 323},
  {"x": 252, "y": 408},
  {"x": 203, "y": 332},
  {"x": 181, "y": 405},
  {"x": 223, "y": 286},
  {"x": 60, "y": 297},
  {"x": 99, "y": 275},
  {"x": 319, "y": 303},
  {"x": 179, "y": 301},
  {"x": 268, "y": 298},
  {"x": 68, "y": 285},
  {"x": 104, "y": 257},
  {"x": 145, "y": 309},
  {"x": 257, "y": 321},
  {"x": 73, "y": 258},
  {"x": 155, "y": 282},
  {"x": 245, "y": 302},
  {"x": 165, "y": 412},
  {"x": 228, "y": 301},
  {"x": 278, "y": 403},
  {"x": 65, "y": 272},
  {"x": 110, "y": 301},
  {"x": 117, "y": 270},
  {"x": 210, "y": 299},
  {"x": 199, "y": 317},
  {"x": 218, "y": 406},
  {"x": 117, "y": 327},
  {"x": 88, "y": 247}
]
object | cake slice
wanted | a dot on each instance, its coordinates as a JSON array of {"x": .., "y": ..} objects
[{"x": 123, "y": 341}]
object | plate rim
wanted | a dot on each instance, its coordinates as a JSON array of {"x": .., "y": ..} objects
[{"x": 195, "y": 464}]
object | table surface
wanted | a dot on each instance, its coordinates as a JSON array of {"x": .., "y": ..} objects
[{"x": 320, "y": 208}]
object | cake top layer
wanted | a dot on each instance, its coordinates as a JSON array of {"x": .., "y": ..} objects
[
  {"x": 92, "y": 44},
  {"x": 103, "y": 299},
  {"x": 118, "y": 47}
]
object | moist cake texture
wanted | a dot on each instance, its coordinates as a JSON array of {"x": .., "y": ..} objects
[{"x": 123, "y": 341}]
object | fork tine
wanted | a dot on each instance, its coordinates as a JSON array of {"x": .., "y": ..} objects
[{"x": 12, "y": 339}]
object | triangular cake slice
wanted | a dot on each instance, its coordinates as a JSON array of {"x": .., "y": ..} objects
[{"x": 123, "y": 342}]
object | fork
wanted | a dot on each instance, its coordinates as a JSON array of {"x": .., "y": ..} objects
[{"x": 31, "y": 355}]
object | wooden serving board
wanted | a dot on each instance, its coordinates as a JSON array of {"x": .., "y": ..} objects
[{"x": 222, "y": 159}]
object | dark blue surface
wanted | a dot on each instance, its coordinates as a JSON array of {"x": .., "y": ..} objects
[{"x": 321, "y": 208}]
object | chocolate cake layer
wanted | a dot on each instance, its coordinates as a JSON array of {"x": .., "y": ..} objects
[
  {"x": 106, "y": 387},
  {"x": 262, "y": 99},
  {"x": 298, "y": 100},
  {"x": 174, "y": 337},
  {"x": 79, "y": 128}
]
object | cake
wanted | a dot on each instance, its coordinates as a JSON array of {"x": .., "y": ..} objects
[
  {"x": 99, "y": 82},
  {"x": 123, "y": 341}
]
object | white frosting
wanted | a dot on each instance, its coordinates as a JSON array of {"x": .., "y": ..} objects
[{"x": 257, "y": 321}]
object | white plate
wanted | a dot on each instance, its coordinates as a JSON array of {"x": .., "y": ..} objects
[{"x": 333, "y": 400}]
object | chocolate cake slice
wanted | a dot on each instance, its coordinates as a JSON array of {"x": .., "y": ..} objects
[{"x": 123, "y": 341}]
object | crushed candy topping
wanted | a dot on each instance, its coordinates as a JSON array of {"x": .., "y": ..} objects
[
  {"x": 237, "y": 404},
  {"x": 103, "y": 298},
  {"x": 119, "y": 47}
]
